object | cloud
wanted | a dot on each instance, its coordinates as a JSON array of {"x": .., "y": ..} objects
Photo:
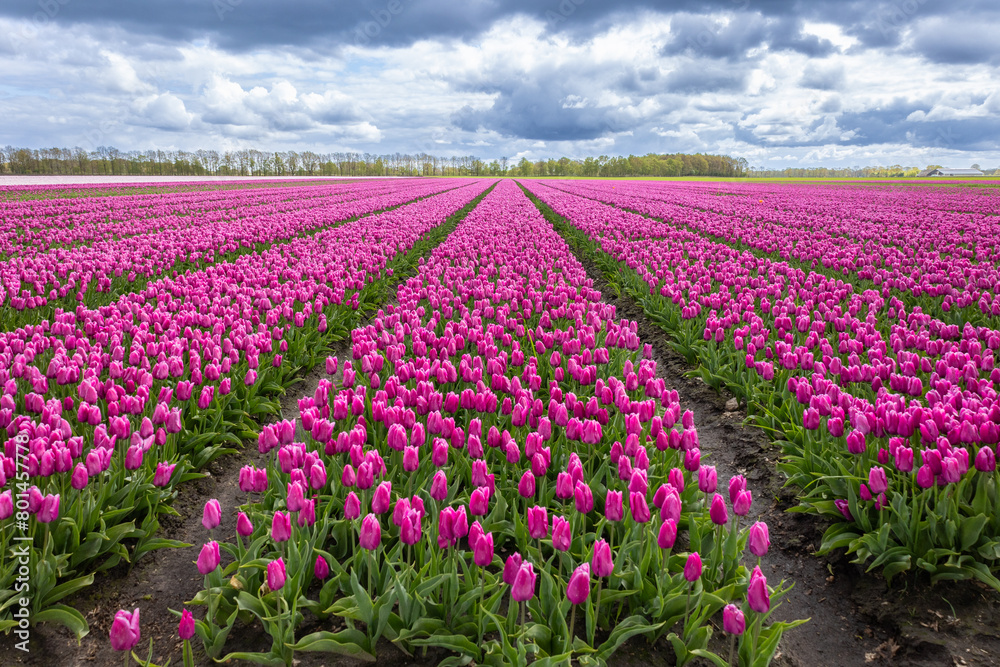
[
  {"x": 164, "y": 112},
  {"x": 823, "y": 77}
]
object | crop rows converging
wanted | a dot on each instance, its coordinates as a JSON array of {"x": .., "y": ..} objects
[
  {"x": 498, "y": 470},
  {"x": 817, "y": 317}
]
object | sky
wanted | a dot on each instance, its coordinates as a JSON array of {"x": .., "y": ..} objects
[{"x": 782, "y": 83}]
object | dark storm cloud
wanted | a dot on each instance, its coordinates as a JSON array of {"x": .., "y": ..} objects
[
  {"x": 536, "y": 110},
  {"x": 731, "y": 38}
]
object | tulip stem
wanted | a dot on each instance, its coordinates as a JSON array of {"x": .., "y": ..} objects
[
  {"x": 732, "y": 649},
  {"x": 597, "y": 610},
  {"x": 687, "y": 610},
  {"x": 572, "y": 625},
  {"x": 482, "y": 601}
]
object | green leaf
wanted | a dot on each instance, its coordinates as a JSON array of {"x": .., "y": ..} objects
[{"x": 65, "y": 616}]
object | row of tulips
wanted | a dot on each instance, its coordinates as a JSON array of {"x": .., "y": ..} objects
[
  {"x": 886, "y": 239},
  {"x": 102, "y": 453},
  {"x": 59, "y": 193},
  {"x": 33, "y": 227},
  {"x": 900, "y": 445},
  {"x": 496, "y": 462},
  {"x": 35, "y": 287}
]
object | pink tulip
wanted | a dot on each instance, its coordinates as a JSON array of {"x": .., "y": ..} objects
[
  {"x": 526, "y": 487},
  {"x": 49, "y": 510},
  {"x": 185, "y": 629},
  {"x": 244, "y": 527},
  {"x": 578, "y": 587},
  {"x": 209, "y": 557},
  {"x": 439, "y": 486},
  {"x": 382, "y": 498},
  {"x": 124, "y": 633},
  {"x": 601, "y": 562},
  {"x": 757, "y": 594},
  {"x": 538, "y": 522},
  {"x": 692, "y": 568},
  {"x": 758, "y": 540},
  {"x": 479, "y": 502},
  {"x": 668, "y": 534},
  {"x": 583, "y": 498},
  {"x": 371, "y": 533},
  {"x": 281, "y": 527},
  {"x": 733, "y": 621},
  {"x": 511, "y": 567},
  {"x": 321, "y": 569},
  {"x": 523, "y": 588},
  {"x": 718, "y": 512},
  {"x": 276, "y": 574},
  {"x": 562, "y": 535},
  {"x": 482, "y": 550},
  {"x": 352, "y": 506}
]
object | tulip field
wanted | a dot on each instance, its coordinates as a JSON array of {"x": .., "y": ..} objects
[{"x": 493, "y": 467}]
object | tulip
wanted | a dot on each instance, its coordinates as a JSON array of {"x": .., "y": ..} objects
[
  {"x": 371, "y": 533},
  {"x": 124, "y": 633},
  {"x": 209, "y": 557},
  {"x": 307, "y": 513},
  {"x": 757, "y": 594},
  {"x": 667, "y": 535},
  {"x": 352, "y": 506},
  {"x": 986, "y": 460},
  {"x": 382, "y": 498},
  {"x": 6, "y": 505},
  {"x": 526, "y": 487},
  {"x": 281, "y": 527},
  {"x": 758, "y": 539},
  {"x": 212, "y": 514},
  {"x": 583, "y": 497},
  {"x": 601, "y": 562},
  {"x": 482, "y": 551},
  {"x": 733, "y": 621},
  {"x": 737, "y": 483},
  {"x": 523, "y": 588},
  {"x": 877, "y": 480},
  {"x": 538, "y": 522},
  {"x": 638, "y": 507},
  {"x": 244, "y": 527},
  {"x": 79, "y": 478},
  {"x": 411, "y": 459},
  {"x": 578, "y": 587},
  {"x": 164, "y": 471},
  {"x": 49, "y": 510},
  {"x": 479, "y": 502},
  {"x": 185, "y": 629},
  {"x": 439, "y": 486},
  {"x": 613, "y": 506},
  {"x": 322, "y": 568},
  {"x": 718, "y": 512},
  {"x": 562, "y": 534},
  {"x": 692, "y": 568},
  {"x": 510, "y": 568},
  {"x": 743, "y": 502},
  {"x": 707, "y": 479},
  {"x": 276, "y": 574},
  {"x": 734, "y": 624}
]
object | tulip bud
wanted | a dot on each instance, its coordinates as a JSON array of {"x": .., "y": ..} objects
[
  {"x": 578, "y": 587},
  {"x": 209, "y": 557},
  {"x": 185, "y": 629},
  {"x": 667, "y": 535},
  {"x": 613, "y": 506},
  {"x": 371, "y": 533},
  {"x": 510, "y": 568},
  {"x": 352, "y": 506},
  {"x": 276, "y": 574},
  {"x": 243, "y": 525},
  {"x": 733, "y": 621},
  {"x": 322, "y": 568},
  {"x": 281, "y": 527},
  {"x": 758, "y": 539},
  {"x": 718, "y": 512},
  {"x": 692, "y": 568},
  {"x": 482, "y": 550},
  {"x": 758, "y": 596},
  {"x": 601, "y": 562},
  {"x": 524, "y": 583}
]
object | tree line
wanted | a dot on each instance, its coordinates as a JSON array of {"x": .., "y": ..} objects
[{"x": 110, "y": 161}]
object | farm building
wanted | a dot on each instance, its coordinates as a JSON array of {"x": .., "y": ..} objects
[{"x": 950, "y": 172}]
